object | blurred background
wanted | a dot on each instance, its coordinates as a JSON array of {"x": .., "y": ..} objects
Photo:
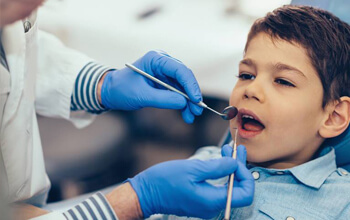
[{"x": 207, "y": 35}]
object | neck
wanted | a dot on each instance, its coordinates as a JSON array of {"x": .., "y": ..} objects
[{"x": 285, "y": 163}]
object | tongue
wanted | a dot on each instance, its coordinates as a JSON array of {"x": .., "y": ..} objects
[{"x": 253, "y": 126}]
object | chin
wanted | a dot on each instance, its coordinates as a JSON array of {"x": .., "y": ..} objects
[
  {"x": 256, "y": 159},
  {"x": 254, "y": 156}
]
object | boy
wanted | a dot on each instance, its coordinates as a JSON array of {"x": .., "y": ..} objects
[{"x": 293, "y": 94}]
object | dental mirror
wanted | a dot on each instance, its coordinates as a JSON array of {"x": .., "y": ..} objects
[
  {"x": 230, "y": 112},
  {"x": 227, "y": 114}
]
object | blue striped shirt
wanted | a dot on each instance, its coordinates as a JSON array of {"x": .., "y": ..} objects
[
  {"x": 95, "y": 207},
  {"x": 84, "y": 95}
]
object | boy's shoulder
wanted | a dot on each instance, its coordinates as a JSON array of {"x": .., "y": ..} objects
[{"x": 207, "y": 153}]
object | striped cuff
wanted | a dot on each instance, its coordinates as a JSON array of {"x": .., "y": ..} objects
[
  {"x": 84, "y": 95},
  {"x": 95, "y": 207}
]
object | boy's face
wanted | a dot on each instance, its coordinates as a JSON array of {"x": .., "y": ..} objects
[{"x": 279, "y": 87}]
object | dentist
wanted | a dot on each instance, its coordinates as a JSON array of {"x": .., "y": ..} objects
[{"x": 38, "y": 74}]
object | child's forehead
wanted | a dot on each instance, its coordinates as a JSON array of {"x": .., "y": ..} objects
[
  {"x": 268, "y": 40},
  {"x": 264, "y": 48}
]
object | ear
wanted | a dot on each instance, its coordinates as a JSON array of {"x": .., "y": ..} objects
[{"x": 337, "y": 118}]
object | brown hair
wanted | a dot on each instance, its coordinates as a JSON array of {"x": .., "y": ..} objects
[{"x": 325, "y": 37}]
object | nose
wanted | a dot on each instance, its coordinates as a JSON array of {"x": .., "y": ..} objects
[{"x": 255, "y": 91}]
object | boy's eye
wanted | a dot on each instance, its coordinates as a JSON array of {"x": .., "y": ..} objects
[
  {"x": 284, "y": 83},
  {"x": 246, "y": 76}
]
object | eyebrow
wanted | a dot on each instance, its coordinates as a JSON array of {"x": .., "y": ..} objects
[
  {"x": 282, "y": 66},
  {"x": 277, "y": 66},
  {"x": 247, "y": 62}
]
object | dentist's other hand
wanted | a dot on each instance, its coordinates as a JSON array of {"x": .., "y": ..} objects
[
  {"x": 125, "y": 89},
  {"x": 227, "y": 150},
  {"x": 179, "y": 187}
]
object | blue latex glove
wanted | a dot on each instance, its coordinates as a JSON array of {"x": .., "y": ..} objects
[
  {"x": 179, "y": 187},
  {"x": 227, "y": 150},
  {"x": 125, "y": 89}
]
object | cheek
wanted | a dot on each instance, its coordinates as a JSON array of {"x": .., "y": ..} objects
[
  {"x": 234, "y": 96},
  {"x": 295, "y": 123}
]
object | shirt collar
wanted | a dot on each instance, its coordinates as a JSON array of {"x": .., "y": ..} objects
[{"x": 315, "y": 172}]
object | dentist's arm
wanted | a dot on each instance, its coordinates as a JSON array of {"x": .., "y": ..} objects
[{"x": 98, "y": 88}]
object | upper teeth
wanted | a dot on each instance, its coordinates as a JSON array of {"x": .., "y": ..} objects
[{"x": 247, "y": 116}]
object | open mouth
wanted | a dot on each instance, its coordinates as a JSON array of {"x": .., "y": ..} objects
[{"x": 249, "y": 121}]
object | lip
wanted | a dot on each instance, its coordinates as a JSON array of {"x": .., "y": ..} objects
[{"x": 244, "y": 133}]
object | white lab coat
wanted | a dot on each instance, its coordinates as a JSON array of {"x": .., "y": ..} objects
[{"x": 41, "y": 78}]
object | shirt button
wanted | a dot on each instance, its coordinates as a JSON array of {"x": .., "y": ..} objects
[
  {"x": 27, "y": 25},
  {"x": 280, "y": 172},
  {"x": 256, "y": 175},
  {"x": 344, "y": 172},
  {"x": 290, "y": 218}
]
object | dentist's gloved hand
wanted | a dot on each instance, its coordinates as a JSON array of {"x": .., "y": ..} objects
[
  {"x": 227, "y": 150},
  {"x": 179, "y": 187},
  {"x": 125, "y": 89}
]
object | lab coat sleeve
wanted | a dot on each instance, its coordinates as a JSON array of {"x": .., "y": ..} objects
[
  {"x": 95, "y": 207},
  {"x": 58, "y": 67}
]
